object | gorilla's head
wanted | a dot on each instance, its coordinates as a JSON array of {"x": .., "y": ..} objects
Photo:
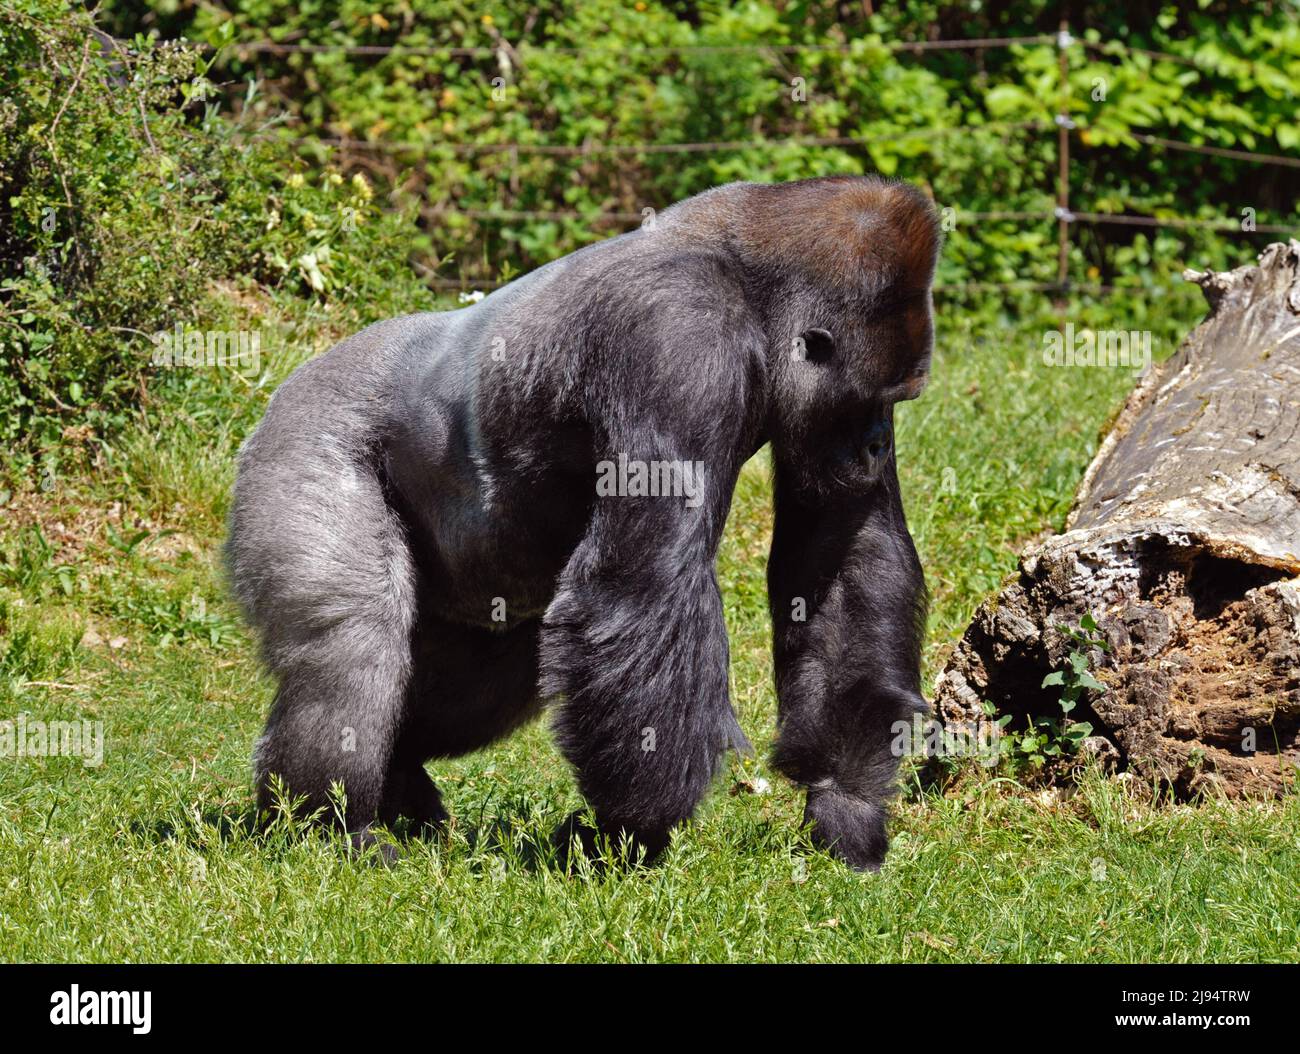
[{"x": 842, "y": 267}]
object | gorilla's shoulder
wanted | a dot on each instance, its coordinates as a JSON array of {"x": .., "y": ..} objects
[{"x": 674, "y": 280}]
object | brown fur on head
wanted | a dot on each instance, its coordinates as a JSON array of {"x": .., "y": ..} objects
[{"x": 856, "y": 235}]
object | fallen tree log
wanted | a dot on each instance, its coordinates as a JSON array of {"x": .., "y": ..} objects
[{"x": 1184, "y": 545}]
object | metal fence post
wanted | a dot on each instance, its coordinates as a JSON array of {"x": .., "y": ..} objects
[{"x": 1064, "y": 124}]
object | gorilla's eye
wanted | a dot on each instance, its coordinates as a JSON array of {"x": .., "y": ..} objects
[{"x": 818, "y": 344}]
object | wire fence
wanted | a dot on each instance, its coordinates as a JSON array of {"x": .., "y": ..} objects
[
  {"x": 1067, "y": 130},
  {"x": 590, "y": 149},
  {"x": 523, "y": 48}
]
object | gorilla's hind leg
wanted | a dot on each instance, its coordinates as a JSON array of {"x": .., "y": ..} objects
[
  {"x": 324, "y": 569},
  {"x": 333, "y": 722},
  {"x": 469, "y": 686}
]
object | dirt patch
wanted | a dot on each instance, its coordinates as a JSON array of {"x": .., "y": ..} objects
[{"x": 74, "y": 527}]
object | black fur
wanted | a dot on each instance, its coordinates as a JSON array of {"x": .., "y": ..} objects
[{"x": 419, "y": 540}]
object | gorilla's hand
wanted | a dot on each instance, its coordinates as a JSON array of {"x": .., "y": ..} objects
[{"x": 852, "y": 829}]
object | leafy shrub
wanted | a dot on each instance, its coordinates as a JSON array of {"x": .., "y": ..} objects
[{"x": 124, "y": 195}]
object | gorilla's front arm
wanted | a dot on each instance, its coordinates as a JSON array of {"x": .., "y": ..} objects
[
  {"x": 634, "y": 646},
  {"x": 635, "y": 651},
  {"x": 848, "y": 610}
]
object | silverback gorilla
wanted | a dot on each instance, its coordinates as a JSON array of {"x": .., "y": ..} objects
[{"x": 420, "y": 537}]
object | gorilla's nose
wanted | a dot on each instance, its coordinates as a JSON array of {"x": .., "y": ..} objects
[{"x": 876, "y": 443}]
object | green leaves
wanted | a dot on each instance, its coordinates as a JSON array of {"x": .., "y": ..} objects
[
  {"x": 1052, "y": 738},
  {"x": 1011, "y": 102},
  {"x": 132, "y": 540},
  {"x": 1088, "y": 681},
  {"x": 129, "y": 207}
]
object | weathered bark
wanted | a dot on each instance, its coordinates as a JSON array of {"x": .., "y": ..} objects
[{"x": 1184, "y": 544}]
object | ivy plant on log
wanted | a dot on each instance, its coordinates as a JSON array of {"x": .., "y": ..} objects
[{"x": 1184, "y": 546}]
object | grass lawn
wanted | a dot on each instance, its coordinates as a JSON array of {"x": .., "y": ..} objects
[{"x": 150, "y": 857}]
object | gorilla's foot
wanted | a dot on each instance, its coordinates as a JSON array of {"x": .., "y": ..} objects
[
  {"x": 385, "y": 853},
  {"x": 416, "y": 800}
]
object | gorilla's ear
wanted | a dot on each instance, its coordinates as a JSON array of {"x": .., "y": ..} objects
[{"x": 818, "y": 345}]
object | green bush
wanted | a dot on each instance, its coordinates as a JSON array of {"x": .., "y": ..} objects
[{"x": 125, "y": 197}]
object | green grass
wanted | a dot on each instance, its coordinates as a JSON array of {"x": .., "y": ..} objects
[{"x": 150, "y": 856}]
